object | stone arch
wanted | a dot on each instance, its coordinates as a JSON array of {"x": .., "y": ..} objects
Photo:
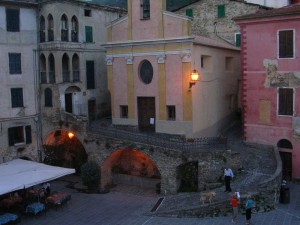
[
  {"x": 63, "y": 149},
  {"x": 130, "y": 167}
]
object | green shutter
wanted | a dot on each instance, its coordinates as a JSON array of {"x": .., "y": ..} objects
[
  {"x": 221, "y": 11},
  {"x": 238, "y": 40},
  {"x": 189, "y": 12},
  {"x": 88, "y": 34},
  {"x": 90, "y": 75}
]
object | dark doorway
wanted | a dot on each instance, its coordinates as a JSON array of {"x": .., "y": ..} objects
[
  {"x": 146, "y": 114},
  {"x": 286, "y": 158},
  {"x": 68, "y": 102},
  {"x": 92, "y": 110}
]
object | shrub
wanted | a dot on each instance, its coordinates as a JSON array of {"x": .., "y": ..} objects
[{"x": 90, "y": 175}]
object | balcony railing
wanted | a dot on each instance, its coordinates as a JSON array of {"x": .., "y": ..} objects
[
  {"x": 43, "y": 77},
  {"x": 76, "y": 77},
  {"x": 66, "y": 76},
  {"x": 163, "y": 140},
  {"x": 51, "y": 77}
]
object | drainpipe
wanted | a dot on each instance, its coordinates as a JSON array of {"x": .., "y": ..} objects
[
  {"x": 37, "y": 119},
  {"x": 216, "y": 33}
]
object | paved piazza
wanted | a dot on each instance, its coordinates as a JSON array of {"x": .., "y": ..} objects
[{"x": 123, "y": 208}]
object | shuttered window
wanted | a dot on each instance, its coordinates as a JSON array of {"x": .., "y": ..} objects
[
  {"x": 19, "y": 135},
  {"x": 48, "y": 97},
  {"x": 189, "y": 12},
  {"x": 16, "y": 97},
  {"x": 286, "y": 43},
  {"x": 90, "y": 75},
  {"x": 285, "y": 101},
  {"x": 221, "y": 11},
  {"x": 145, "y": 9},
  {"x": 238, "y": 40},
  {"x": 13, "y": 20},
  {"x": 14, "y": 63},
  {"x": 89, "y": 34}
]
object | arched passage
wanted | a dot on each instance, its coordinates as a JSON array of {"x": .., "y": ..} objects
[
  {"x": 130, "y": 167},
  {"x": 63, "y": 149},
  {"x": 285, "y": 148}
]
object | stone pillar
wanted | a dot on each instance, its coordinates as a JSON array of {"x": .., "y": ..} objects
[{"x": 168, "y": 181}]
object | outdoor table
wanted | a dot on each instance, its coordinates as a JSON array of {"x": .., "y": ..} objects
[
  {"x": 35, "y": 208},
  {"x": 10, "y": 201},
  {"x": 58, "y": 199},
  {"x": 8, "y": 218}
]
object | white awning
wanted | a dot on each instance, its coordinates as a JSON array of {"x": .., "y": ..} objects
[{"x": 18, "y": 174}]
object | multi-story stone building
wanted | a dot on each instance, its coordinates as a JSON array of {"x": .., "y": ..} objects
[{"x": 19, "y": 84}]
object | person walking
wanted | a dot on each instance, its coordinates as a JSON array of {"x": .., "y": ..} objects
[
  {"x": 234, "y": 203},
  {"x": 249, "y": 205},
  {"x": 228, "y": 175}
]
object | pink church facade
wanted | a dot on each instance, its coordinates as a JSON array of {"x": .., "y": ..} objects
[{"x": 270, "y": 82}]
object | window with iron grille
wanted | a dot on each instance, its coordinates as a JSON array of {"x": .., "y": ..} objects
[
  {"x": 90, "y": 75},
  {"x": 145, "y": 9},
  {"x": 19, "y": 135},
  {"x": 286, "y": 43},
  {"x": 48, "y": 97},
  {"x": 171, "y": 110},
  {"x": 285, "y": 101},
  {"x": 13, "y": 20},
  {"x": 14, "y": 63},
  {"x": 16, "y": 97},
  {"x": 124, "y": 111}
]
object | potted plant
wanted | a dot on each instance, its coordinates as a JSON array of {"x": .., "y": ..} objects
[{"x": 90, "y": 175}]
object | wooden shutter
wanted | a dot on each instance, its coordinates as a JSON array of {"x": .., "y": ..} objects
[
  {"x": 14, "y": 63},
  {"x": 12, "y": 20},
  {"x": 90, "y": 75},
  {"x": 285, "y": 101},
  {"x": 11, "y": 139},
  {"x": 88, "y": 34},
  {"x": 221, "y": 11},
  {"x": 238, "y": 40},
  {"x": 286, "y": 44},
  {"x": 189, "y": 12},
  {"x": 17, "y": 97},
  {"x": 28, "y": 134}
]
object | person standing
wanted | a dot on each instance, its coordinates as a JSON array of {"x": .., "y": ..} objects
[
  {"x": 249, "y": 205},
  {"x": 234, "y": 203},
  {"x": 228, "y": 175}
]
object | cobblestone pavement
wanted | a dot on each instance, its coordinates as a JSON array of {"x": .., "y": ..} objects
[{"x": 126, "y": 205}]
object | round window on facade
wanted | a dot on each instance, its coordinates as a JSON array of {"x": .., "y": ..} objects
[{"x": 146, "y": 72}]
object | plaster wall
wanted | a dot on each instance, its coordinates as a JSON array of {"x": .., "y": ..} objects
[
  {"x": 25, "y": 43},
  {"x": 263, "y": 74},
  {"x": 270, "y": 3}
]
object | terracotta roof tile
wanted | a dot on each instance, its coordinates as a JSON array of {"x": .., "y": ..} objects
[{"x": 284, "y": 11}]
